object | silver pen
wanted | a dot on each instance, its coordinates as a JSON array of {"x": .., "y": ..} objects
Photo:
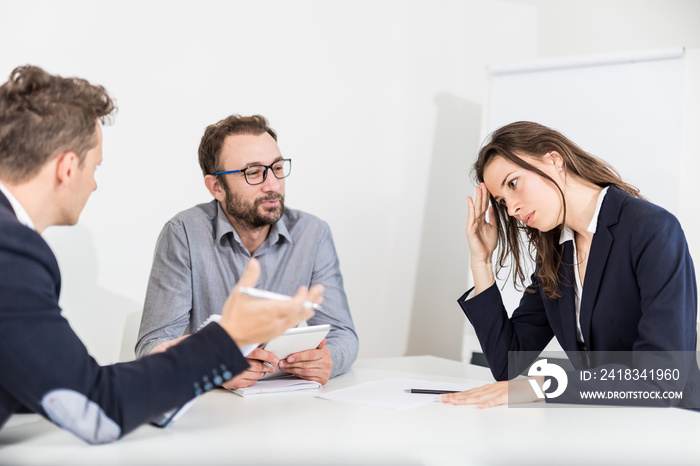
[{"x": 262, "y": 294}]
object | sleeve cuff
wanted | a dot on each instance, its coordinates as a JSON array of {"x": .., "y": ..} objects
[{"x": 465, "y": 296}]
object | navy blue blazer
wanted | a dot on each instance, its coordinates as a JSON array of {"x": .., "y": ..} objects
[
  {"x": 46, "y": 369},
  {"x": 639, "y": 293}
]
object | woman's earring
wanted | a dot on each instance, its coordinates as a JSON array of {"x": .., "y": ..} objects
[{"x": 560, "y": 168}]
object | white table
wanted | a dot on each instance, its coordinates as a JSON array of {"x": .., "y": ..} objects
[{"x": 222, "y": 428}]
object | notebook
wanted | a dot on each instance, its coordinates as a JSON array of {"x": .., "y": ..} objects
[{"x": 278, "y": 386}]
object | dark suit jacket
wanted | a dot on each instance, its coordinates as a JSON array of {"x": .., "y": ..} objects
[
  {"x": 47, "y": 370},
  {"x": 639, "y": 294}
]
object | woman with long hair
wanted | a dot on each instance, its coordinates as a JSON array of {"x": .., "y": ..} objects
[{"x": 612, "y": 270}]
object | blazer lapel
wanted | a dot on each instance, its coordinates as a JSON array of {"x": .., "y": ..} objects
[
  {"x": 598, "y": 257},
  {"x": 567, "y": 303}
]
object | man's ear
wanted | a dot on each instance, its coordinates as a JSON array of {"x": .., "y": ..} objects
[
  {"x": 215, "y": 188},
  {"x": 66, "y": 165}
]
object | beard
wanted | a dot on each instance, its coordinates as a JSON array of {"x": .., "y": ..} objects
[{"x": 251, "y": 215}]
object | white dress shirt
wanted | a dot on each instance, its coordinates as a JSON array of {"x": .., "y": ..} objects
[{"x": 20, "y": 211}]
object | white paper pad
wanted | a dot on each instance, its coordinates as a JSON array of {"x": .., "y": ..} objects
[
  {"x": 394, "y": 393},
  {"x": 278, "y": 386}
]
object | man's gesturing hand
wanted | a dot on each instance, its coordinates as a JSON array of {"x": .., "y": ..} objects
[{"x": 250, "y": 320}]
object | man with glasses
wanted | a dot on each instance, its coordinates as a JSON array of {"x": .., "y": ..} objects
[{"x": 202, "y": 251}]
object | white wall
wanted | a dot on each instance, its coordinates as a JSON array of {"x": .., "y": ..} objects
[
  {"x": 378, "y": 102},
  {"x": 581, "y": 27}
]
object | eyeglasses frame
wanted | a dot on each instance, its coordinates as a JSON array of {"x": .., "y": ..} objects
[{"x": 265, "y": 169}]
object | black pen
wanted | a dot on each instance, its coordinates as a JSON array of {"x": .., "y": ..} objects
[{"x": 431, "y": 392}]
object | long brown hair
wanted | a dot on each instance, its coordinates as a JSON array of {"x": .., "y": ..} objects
[{"x": 535, "y": 140}]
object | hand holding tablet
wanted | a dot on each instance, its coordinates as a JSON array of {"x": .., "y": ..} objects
[
  {"x": 293, "y": 340},
  {"x": 297, "y": 339}
]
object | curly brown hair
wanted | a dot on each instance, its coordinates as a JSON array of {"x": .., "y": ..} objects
[{"x": 43, "y": 116}]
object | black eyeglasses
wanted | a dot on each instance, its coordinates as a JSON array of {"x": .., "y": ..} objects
[{"x": 256, "y": 174}]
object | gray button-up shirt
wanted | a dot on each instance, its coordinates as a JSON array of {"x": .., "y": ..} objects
[{"x": 199, "y": 257}]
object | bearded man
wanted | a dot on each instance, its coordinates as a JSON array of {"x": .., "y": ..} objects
[{"x": 202, "y": 252}]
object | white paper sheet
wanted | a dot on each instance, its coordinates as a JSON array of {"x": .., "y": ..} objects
[{"x": 394, "y": 393}]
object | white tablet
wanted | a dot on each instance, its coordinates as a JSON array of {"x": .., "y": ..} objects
[{"x": 297, "y": 339}]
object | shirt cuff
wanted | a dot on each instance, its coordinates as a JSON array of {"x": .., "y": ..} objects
[{"x": 247, "y": 349}]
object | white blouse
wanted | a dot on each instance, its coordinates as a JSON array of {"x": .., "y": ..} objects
[{"x": 567, "y": 234}]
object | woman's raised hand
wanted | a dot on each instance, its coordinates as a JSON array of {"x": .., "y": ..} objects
[
  {"x": 481, "y": 233},
  {"x": 482, "y": 238}
]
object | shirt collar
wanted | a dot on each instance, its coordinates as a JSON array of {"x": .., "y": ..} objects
[
  {"x": 567, "y": 234},
  {"x": 22, "y": 215},
  {"x": 222, "y": 227}
]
